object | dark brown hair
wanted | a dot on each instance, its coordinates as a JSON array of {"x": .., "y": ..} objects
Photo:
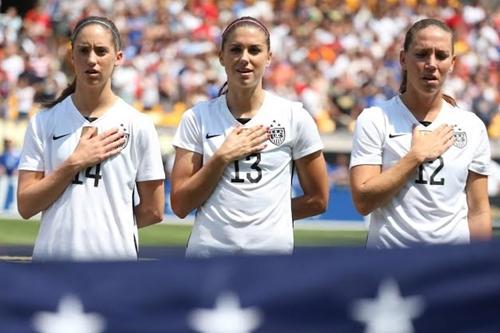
[
  {"x": 241, "y": 22},
  {"x": 410, "y": 36},
  {"x": 103, "y": 21}
]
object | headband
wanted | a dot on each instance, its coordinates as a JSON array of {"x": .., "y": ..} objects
[
  {"x": 248, "y": 20},
  {"x": 97, "y": 21}
]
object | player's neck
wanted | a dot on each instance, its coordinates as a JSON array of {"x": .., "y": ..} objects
[
  {"x": 93, "y": 103},
  {"x": 244, "y": 103},
  {"x": 423, "y": 108}
]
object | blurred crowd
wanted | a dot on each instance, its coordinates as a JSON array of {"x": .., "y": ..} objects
[{"x": 337, "y": 56}]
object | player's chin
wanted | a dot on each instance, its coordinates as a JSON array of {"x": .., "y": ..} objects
[
  {"x": 247, "y": 83},
  {"x": 95, "y": 82},
  {"x": 431, "y": 88}
]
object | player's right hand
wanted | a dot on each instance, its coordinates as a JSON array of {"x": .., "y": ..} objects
[
  {"x": 429, "y": 145},
  {"x": 94, "y": 148},
  {"x": 243, "y": 141}
]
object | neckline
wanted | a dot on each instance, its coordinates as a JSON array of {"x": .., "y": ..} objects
[
  {"x": 78, "y": 114},
  {"x": 243, "y": 120},
  {"x": 231, "y": 115},
  {"x": 412, "y": 116}
]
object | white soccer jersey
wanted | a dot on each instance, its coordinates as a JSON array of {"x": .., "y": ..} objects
[
  {"x": 431, "y": 208},
  {"x": 250, "y": 208},
  {"x": 93, "y": 218}
]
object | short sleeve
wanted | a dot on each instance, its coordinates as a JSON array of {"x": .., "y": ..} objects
[
  {"x": 188, "y": 134},
  {"x": 306, "y": 135},
  {"x": 32, "y": 157},
  {"x": 482, "y": 155},
  {"x": 367, "y": 141},
  {"x": 150, "y": 163}
]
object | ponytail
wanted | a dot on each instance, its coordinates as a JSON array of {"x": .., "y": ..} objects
[
  {"x": 402, "y": 87},
  {"x": 223, "y": 89},
  {"x": 450, "y": 100},
  {"x": 65, "y": 93}
]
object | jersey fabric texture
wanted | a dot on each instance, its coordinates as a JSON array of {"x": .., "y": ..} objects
[
  {"x": 431, "y": 208},
  {"x": 249, "y": 211},
  {"x": 93, "y": 218}
]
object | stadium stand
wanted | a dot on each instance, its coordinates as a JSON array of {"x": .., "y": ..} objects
[{"x": 335, "y": 56}]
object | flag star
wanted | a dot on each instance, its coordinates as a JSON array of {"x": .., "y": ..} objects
[
  {"x": 389, "y": 312},
  {"x": 226, "y": 317},
  {"x": 68, "y": 318}
]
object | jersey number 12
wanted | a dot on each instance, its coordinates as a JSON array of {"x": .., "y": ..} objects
[{"x": 433, "y": 179}]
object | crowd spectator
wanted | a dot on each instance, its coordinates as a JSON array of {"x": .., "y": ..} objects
[
  {"x": 9, "y": 158},
  {"x": 9, "y": 161},
  {"x": 336, "y": 56},
  {"x": 338, "y": 174}
]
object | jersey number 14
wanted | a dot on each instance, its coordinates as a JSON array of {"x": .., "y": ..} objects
[{"x": 96, "y": 175}]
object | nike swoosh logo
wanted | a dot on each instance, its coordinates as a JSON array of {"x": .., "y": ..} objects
[
  {"x": 396, "y": 135},
  {"x": 54, "y": 137},
  {"x": 209, "y": 136}
]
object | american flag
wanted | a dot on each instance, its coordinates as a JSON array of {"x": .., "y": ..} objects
[{"x": 432, "y": 289}]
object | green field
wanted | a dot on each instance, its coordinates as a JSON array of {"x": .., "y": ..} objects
[{"x": 15, "y": 232}]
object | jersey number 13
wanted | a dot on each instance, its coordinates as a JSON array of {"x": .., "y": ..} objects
[{"x": 253, "y": 176}]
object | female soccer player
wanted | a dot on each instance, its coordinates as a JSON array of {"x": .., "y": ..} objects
[
  {"x": 235, "y": 156},
  {"x": 90, "y": 162},
  {"x": 419, "y": 163}
]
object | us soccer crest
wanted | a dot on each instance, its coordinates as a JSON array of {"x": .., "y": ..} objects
[
  {"x": 276, "y": 133},
  {"x": 460, "y": 138},
  {"x": 126, "y": 135}
]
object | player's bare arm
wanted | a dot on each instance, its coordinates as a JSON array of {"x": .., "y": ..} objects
[
  {"x": 37, "y": 191},
  {"x": 193, "y": 182},
  {"x": 150, "y": 210},
  {"x": 479, "y": 212},
  {"x": 313, "y": 179},
  {"x": 372, "y": 188}
]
